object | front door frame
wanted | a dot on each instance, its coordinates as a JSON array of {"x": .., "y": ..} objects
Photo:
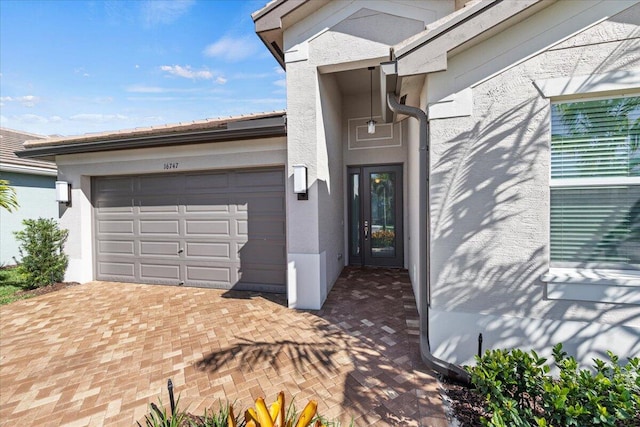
[{"x": 362, "y": 256}]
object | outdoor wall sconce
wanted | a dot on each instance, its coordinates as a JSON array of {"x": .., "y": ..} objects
[
  {"x": 300, "y": 182},
  {"x": 371, "y": 124},
  {"x": 63, "y": 192}
]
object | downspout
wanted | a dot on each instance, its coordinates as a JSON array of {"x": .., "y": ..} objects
[{"x": 443, "y": 367}]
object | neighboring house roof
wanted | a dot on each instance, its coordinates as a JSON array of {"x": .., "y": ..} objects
[
  {"x": 257, "y": 125},
  {"x": 12, "y": 141}
]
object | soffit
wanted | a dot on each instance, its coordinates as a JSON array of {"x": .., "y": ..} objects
[{"x": 271, "y": 21}]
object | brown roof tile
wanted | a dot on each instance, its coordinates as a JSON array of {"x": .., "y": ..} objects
[
  {"x": 168, "y": 129},
  {"x": 12, "y": 141}
]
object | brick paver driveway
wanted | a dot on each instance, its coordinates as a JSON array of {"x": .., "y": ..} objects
[{"x": 99, "y": 353}]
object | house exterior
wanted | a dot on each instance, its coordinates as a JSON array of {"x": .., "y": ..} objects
[
  {"x": 34, "y": 183},
  {"x": 502, "y": 172}
]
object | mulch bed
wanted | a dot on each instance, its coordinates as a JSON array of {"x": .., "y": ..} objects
[
  {"x": 45, "y": 289},
  {"x": 466, "y": 405}
]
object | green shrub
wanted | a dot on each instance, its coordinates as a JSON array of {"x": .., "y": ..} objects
[
  {"x": 41, "y": 248},
  {"x": 158, "y": 417},
  {"x": 520, "y": 391}
]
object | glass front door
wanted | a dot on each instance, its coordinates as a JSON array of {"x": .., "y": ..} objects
[{"x": 375, "y": 216}]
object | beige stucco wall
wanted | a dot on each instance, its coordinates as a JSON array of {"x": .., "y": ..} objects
[
  {"x": 79, "y": 168},
  {"x": 490, "y": 188}
]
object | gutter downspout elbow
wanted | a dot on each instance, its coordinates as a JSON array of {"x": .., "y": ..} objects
[{"x": 443, "y": 367}]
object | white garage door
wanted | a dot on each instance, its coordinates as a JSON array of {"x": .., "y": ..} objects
[{"x": 223, "y": 229}]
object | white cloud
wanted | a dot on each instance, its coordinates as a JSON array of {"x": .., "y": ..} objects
[
  {"x": 278, "y": 70},
  {"x": 98, "y": 118},
  {"x": 25, "y": 101},
  {"x": 280, "y": 83},
  {"x": 82, "y": 71},
  {"x": 31, "y": 118},
  {"x": 187, "y": 72},
  {"x": 164, "y": 11},
  {"x": 145, "y": 89},
  {"x": 232, "y": 49},
  {"x": 221, "y": 80}
]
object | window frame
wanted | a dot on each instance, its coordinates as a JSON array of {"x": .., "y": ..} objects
[{"x": 589, "y": 281}]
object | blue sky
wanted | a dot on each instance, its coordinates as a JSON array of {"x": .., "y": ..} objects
[{"x": 73, "y": 67}]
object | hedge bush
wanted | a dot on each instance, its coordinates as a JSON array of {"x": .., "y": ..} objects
[
  {"x": 520, "y": 391},
  {"x": 41, "y": 248}
]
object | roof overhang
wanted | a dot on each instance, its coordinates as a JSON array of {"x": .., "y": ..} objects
[
  {"x": 271, "y": 21},
  {"x": 234, "y": 129},
  {"x": 428, "y": 51}
]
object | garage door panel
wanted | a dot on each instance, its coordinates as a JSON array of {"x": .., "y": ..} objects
[
  {"x": 157, "y": 204},
  {"x": 267, "y": 179},
  {"x": 261, "y": 204},
  {"x": 152, "y": 271},
  {"x": 263, "y": 251},
  {"x": 206, "y": 204},
  {"x": 206, "y": 181},
  {"x": 212, "y": 250},
  {"x": 220, "y": 275},
  {"x": 114, "y": 269},
  {"x": 124, "y": 226},
  {"x": 261, "y": 228},
  {"x": 261, "y": 274},
  {"x": 230, "y": 224},
  {"x": 116, "y": 247},
  {"x": 160, "y": 184},
  {"x": 115, "y": 206},
  {"x": 207, "y": 228},
  {"x": 114, "y": 185},
  {"x": 152, "y": 248},
  {"x": 160, "y": 227}
]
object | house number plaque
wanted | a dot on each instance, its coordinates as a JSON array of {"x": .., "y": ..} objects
[{"x": 171, "y": 165}]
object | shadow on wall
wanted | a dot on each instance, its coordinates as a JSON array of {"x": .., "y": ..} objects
[{"x": 490, "y": 187}]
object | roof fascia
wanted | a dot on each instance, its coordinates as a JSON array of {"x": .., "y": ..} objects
[
  {"x": 268, "y": 25},
  {"x": 270, "y": 22},
  {"x": 32, "y": 170},
  {"x": 235, "y": 131}
]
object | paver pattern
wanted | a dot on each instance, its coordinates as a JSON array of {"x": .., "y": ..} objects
[{"x": 100, "y": 353}]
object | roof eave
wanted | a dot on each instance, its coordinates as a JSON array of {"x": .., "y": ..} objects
[
  {"x": 270, "y": 22},
  {"x": 275, "y": 129},
  {"x": 494, "y": 13}
]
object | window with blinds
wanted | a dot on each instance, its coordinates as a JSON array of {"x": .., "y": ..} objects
[{"x": 595, "y": 183}]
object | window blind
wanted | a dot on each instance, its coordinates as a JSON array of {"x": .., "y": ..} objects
[{"x": 596, "y": 225}]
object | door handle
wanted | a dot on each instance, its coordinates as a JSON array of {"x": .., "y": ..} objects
[
  {"x": 180, "y": 250},
  {"x": 366, "y": 230}
]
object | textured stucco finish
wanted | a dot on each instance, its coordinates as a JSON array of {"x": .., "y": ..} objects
[
  {"x": 490, "y": 197},
  {"x": 338, "y": 37}
]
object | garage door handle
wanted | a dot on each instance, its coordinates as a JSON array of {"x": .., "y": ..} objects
[{"x": 180, "y": 250}]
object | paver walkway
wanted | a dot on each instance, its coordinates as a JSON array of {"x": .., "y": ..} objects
[{"x": 99, "y": 353}]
